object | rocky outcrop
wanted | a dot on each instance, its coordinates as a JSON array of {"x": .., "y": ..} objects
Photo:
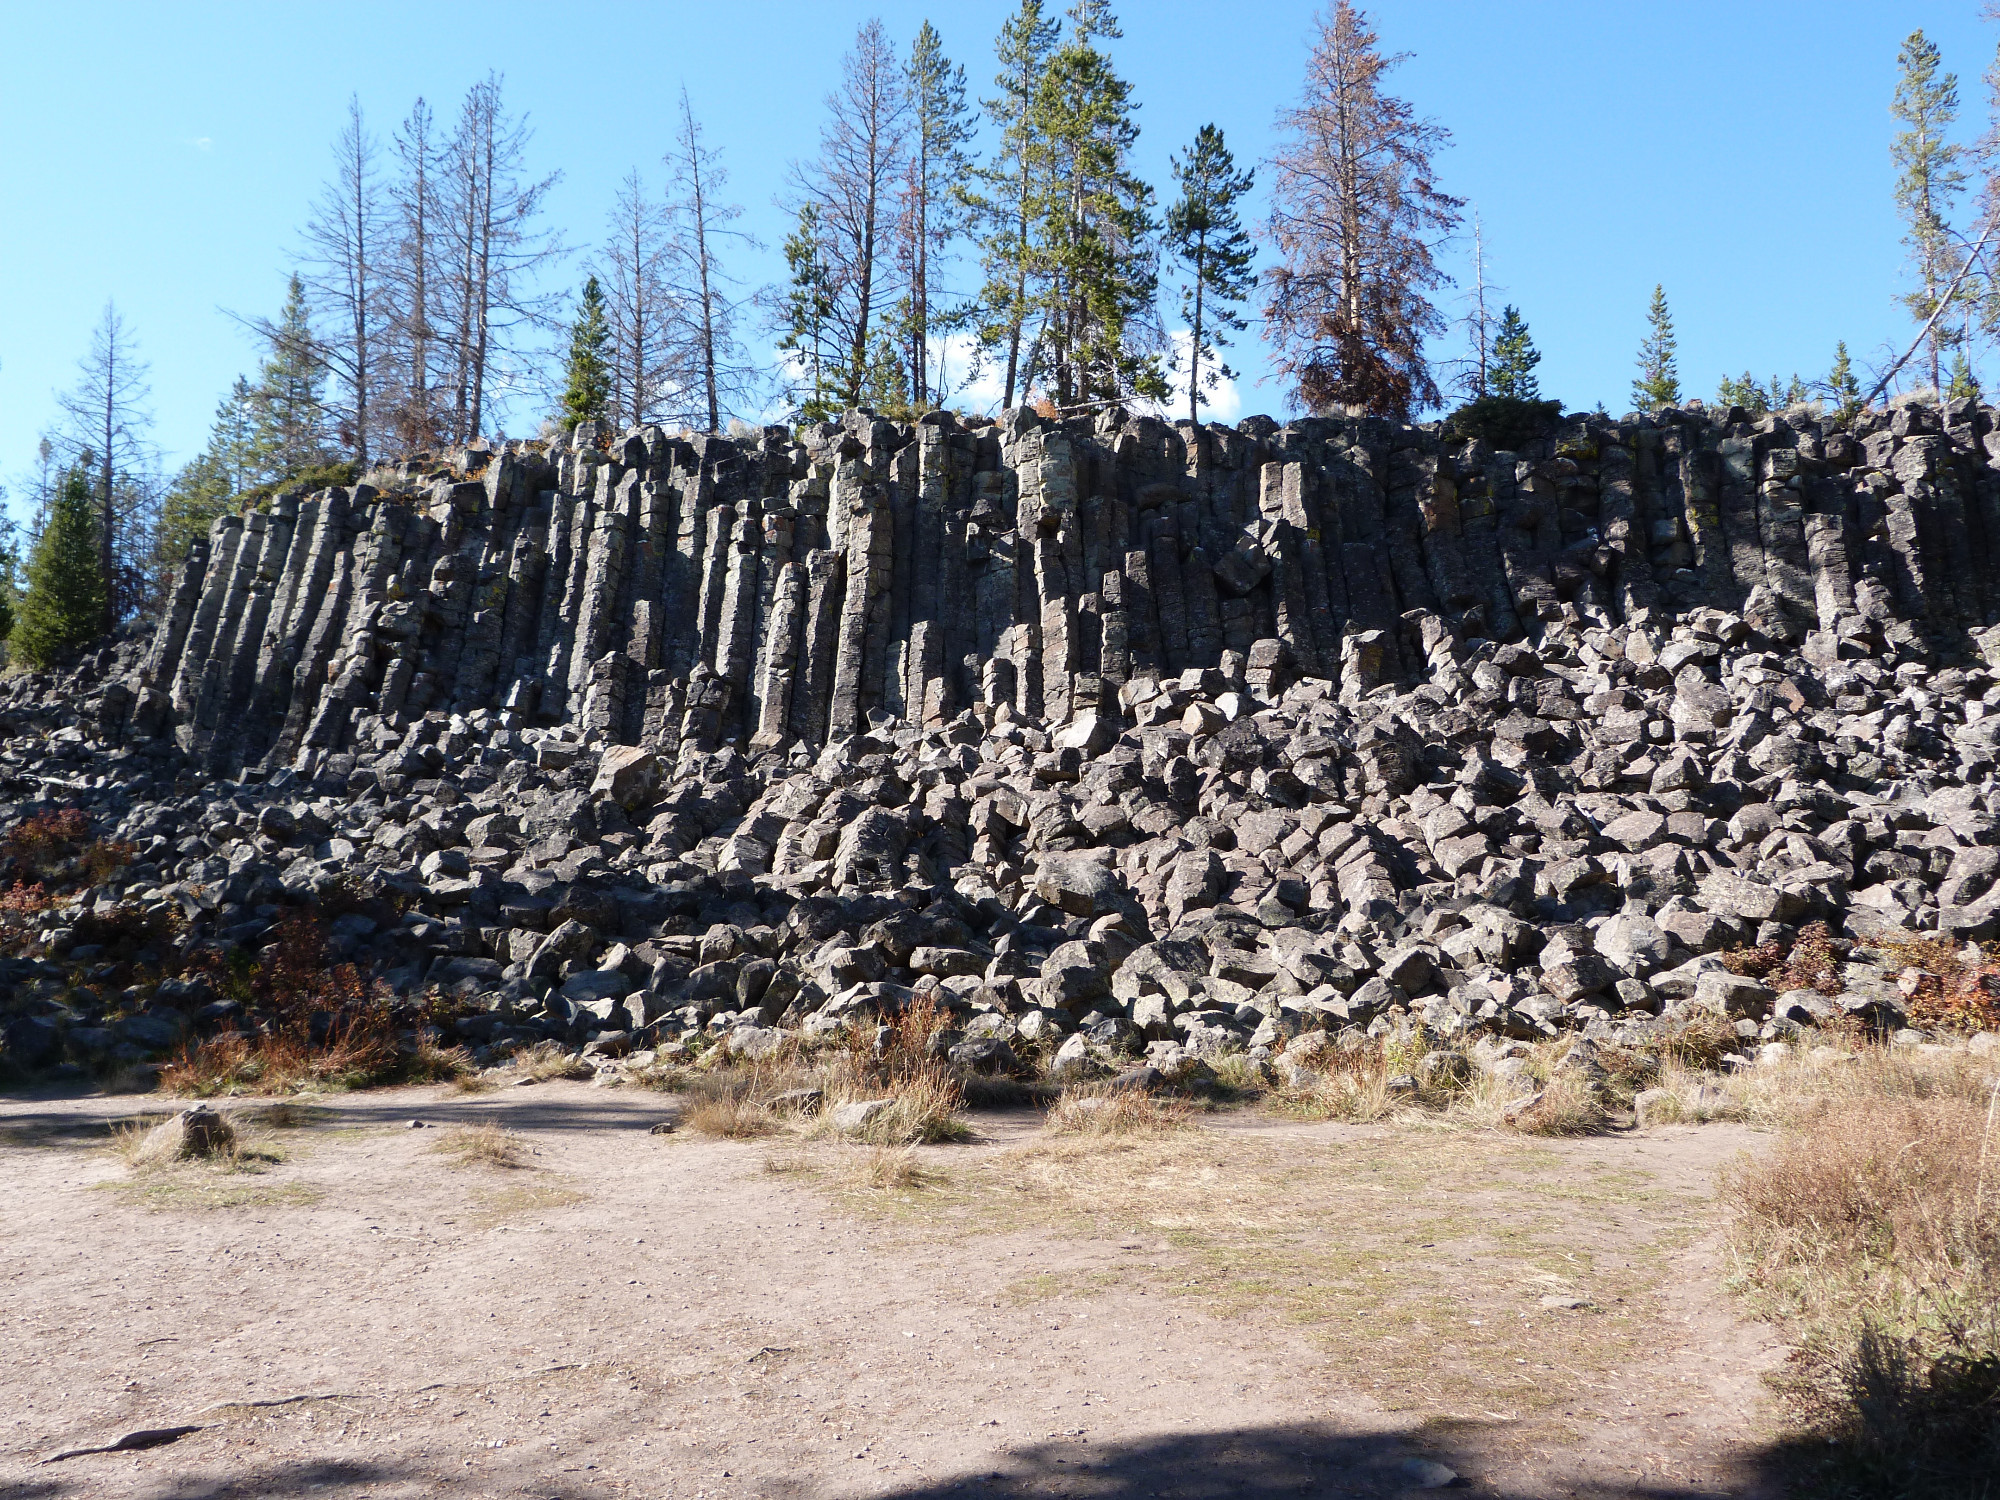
[
  {"x": 764, "y": 592},
  {"x": 1110, "y": 738}
]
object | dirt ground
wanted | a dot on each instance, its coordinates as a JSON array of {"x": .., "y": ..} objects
[{"x": 1251, "y": 1307}]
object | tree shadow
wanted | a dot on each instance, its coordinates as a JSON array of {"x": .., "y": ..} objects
[{"x": 1309, "y": 1459}]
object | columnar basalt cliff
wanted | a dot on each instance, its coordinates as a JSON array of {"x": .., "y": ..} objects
[
  {"x": 764, "y": 592},
  {"x": 1111, "y": 739}
]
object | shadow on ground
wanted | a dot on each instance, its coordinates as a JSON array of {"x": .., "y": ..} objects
[{"x": 1262, "y": 1463}]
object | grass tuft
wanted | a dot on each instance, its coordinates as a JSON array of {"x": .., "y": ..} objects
[
  {"x": 484, "y": 1145},
  {"x": 1094, "y": 1111}
]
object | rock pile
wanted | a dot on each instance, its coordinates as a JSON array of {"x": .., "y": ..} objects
[{"x": 1120, "y": 741}]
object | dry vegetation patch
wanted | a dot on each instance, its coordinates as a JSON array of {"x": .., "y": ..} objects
[
  {"x": 1099, "y": 1112},
  {"x": 483, "y": 1145},
  {"x": 1871, "y": 1234}
]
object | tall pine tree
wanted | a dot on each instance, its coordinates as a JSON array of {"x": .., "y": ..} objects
[
  {"x": 1206, "y": 235},
  {"x": 287, "y": 410},
  {"x": 805, "y": 315},
  {"x": 1356, "y": 217},
  {"x": 207, "y": 486},
  {"x": 587, "y": 377},
  {"x": 1002, "y": 204},
  {"x": 1659, "y": 382},
  {"x": 941, "y": 128},
  {"x": 1092, "y": 263},
  {"x": 1842, "y": 387},
  {"x": 65, "y": 603},
  {"x": 1928, "y": 181}
]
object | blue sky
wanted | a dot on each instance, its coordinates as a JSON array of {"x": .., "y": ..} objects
[{"x": 164, "y": 156}]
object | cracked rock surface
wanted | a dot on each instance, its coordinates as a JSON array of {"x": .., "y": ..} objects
[{"x": 1132, "y": 742}]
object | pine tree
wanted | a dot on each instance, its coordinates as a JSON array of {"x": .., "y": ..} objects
[
  {"x": 1746, "y": 393},
  {"x": 287, "y": 410},
  {"x": 107, "y": 416},
  {"x": 806, "y": 317},
  {"x": 1841, "y": 386},
  {"x": 587, "y": 377},
  {"x": 1511, "y": 375},
  {"x": 207, "y": 486},
  {"x": 1928, "y": 180},
  {"x": 933, "y": 215},
  {"x": 1962, "y": 383},
  {"x": 1659, "y": 382},
  {"x": 65, "y": 604},
  {"x": 1092, "y": 264},
  {"x": 719, "y": 376},
  {"x": 1206, "y": 235},
  {"x": 853, "y": 182},
  {"x": 1007, "y": 189},
  {"x": 1356, "y": 216}
]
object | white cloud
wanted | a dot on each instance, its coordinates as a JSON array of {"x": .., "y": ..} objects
[
  {"x": 202, "y": 143},
  {"x": 977, "y": 383}
]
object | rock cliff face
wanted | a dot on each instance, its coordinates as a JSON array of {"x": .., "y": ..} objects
[
  {"x": 1111, "y": 739},
  {"x": 765, "y": 592}
]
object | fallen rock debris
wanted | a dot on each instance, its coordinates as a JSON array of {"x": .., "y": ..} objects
[{"x": 1679, "y": 720}]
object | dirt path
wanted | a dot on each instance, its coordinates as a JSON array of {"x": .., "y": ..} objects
[{"x": 1249, "y": 1308}]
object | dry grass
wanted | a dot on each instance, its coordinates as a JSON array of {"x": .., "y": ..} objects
[
  {"x": 1345, "y": 1083},
  {"x": 1567, "y": 1104},
  {"x": 483, "y": 1145},
  {"x": 543, "y": 1061},
  {"x": 731, "y": 1118},
  {"x": 1872, "y": 1234},
  {"x": 1097, "y": 1112},
  {"x": 887, "y": 1169},
  {"x": 279, "y": 1064},
  {"x": 432, "y": 1063}
]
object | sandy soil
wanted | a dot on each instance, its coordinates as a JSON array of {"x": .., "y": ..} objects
[{"x": 1254, "y": 1307}]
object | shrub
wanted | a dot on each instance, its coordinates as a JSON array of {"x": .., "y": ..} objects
[
  {"x": 1508, "y": 423},
  {"x": 1806, "y": 962},
  {"x": 1952, "y": 988}
]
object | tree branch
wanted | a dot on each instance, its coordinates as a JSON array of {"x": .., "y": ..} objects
[{"x": 1951, "y": 292}]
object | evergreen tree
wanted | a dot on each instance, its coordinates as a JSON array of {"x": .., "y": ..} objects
[
  {"x": 107, "y": 415},
  {"x": 1007, "y": 189},
  {"x": 1512, "y": 372},
  {"x": 587, "y": 377},
  {"x": 1841, "y": 386},
  {"x": 65, "y": 603},
  {"x": 933, "y": 215},
  {"x": 1962, "y": 383},
  {"x": 806, "y": 316},
  {"x": 1205, "y": 234},
  {"x": 1796, "y": 393},
  {"x": 1746, "y": 393},
  {"x": 209, "y": 484},
  {"x": 1092, "y": 267},
  {"x": 1659, "y": 382},
  {"x": 287, "y": 409},
  {"x": 1928, "y": 180},
  {"x": 1357, "y": 217}
]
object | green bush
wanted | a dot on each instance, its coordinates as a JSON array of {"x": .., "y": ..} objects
[{"x": 1504, "y": 422}]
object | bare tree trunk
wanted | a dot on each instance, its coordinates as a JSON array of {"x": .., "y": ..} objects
[
  {"x": 702, "y": 221},
  {"x": 1194, "y": 350}
]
